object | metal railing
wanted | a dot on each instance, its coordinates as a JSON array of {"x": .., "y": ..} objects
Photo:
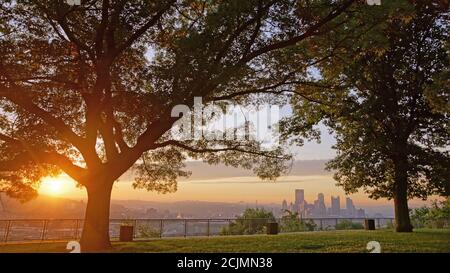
[{"x": 20, "y": 230}]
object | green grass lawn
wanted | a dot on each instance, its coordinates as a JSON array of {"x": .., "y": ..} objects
[{"x": 426, "y": 240}]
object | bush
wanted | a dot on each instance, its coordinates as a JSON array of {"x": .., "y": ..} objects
[
  {"x": 420, "y": 217},
  {"x": 148, "y": 232},
  {"x": 310, "y": 225},
  {"x": 390, "y": 225},
  {"x": 291, "y": 223},
  {"x": 347, "y": 224},
  {"x": 436, "y": 216},
  {"x": 253, "y": 221}
]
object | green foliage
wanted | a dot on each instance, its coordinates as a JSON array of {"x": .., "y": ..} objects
[
  {"x": 436, "y": 216},
  {"x": 89, "y": 89},
  {"x": 148, "y": 232},
  {"x": 310, "y": 225},
  {"x": 390, "y": 225},
  {"x": 291, "y": 222},
  {"x": 376, "y": 96},
  {"x": 98, "y": 81},
  {"x": 252, "y": 221},
  {"x": 348, "y": 224}
]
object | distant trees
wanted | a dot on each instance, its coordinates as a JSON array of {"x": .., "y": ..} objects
[{"x": 385, "y": 95}]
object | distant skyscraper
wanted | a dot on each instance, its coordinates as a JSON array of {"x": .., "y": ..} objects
[
  {"x": 321, "y": 197},
  {"x": 299, "y": 200},
  {"x": 292, "y": 207},
  {"x": 299, "y": 196},
  {"x": 350, "y": 207},
  {"x": 284, "y": 206},
  {"x": 321, "y": 209},
  {"x": 335, "y": 206}
]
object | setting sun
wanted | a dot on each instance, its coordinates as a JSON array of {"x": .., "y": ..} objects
[{"x": 52, "y": 186}]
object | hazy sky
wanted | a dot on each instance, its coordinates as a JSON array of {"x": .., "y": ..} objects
[
  {"x": 314, "y": 151},
  {"x": 234, "y": 186},
  {"x": 210, "y": 183}
]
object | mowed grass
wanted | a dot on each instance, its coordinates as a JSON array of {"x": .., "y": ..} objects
[{"x": 425, "y": 240}]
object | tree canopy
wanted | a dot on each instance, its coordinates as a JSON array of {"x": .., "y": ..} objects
[
  {"x": 88, "y": 89},
  {"x": 385, "y": 96}
]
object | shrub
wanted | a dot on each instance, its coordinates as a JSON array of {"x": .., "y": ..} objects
[
  {"x": 347, "y": 224},
  {"x": 390, "y": 225},
  {"x": 291, "y": 223},
  {"x": 436, "y": 216},
  {"x": 148, "y": 232},
  {"x": 252, "y": 221}
]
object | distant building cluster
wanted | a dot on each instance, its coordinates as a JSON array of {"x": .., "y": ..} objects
[{"x": 318, "y": 208}]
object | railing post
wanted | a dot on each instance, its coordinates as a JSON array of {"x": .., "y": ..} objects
[
  {"x": 134, "y": 228},
  {"x": 185, "y": 228},
  {"x": 378, "y": 222},
  {"x": 8, "y": 227},
  {"x": 161, "y": 228},
  {"x": 337, "y": 222},
  {"x": 208, "y": 231},
  {"x": 44, "y": 229},
  {"x": 77, "y": 226},
  {"x": 321, "y": 224}
]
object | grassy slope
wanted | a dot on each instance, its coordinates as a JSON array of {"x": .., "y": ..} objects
[{"x": 330, "y": 241}]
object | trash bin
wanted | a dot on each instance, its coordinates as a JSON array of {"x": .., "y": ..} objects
[
  {"x": 126, "y": 233},
  {"x": 369, "y": 224},
  {"x": 272, "y": 228}
]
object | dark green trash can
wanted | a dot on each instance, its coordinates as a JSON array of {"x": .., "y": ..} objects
[
  {"x": 369, "y": 224},
  {"x": 272, "y": 228},
  {"x": 126, "y": 233}
]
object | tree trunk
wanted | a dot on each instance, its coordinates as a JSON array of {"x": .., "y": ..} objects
[
  {"x": 95, "y": 236},
  {"x": 402, "y": 220}
]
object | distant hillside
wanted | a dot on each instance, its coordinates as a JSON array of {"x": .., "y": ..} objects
[
  {"x": 53, "y": 207},
  {"x": 45, "y": 207},
  {"x": 42, "y": 207}
]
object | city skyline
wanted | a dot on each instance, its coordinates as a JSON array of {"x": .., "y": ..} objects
[
  {"x": 319, "y": 209},
  {"x": 218, "y": 183}
]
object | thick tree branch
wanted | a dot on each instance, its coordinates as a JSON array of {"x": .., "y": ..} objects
[
  {"x": 19, "y": 97},
  {"x": 99, "y": 37},
  {"x": 119, "y": 137},
  {"x": 62, "y": 21},
  {"x": 292, "y": 41},
  {"x": 236, "y": 148},
  {"x": 255, "y": 20},
  {"x": 141, "y": 31},
  {"x": 34, "y": 155},
  {"x": 53, "y": 79}
]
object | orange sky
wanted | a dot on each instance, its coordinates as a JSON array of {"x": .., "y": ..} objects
[{"x": 234, "y": 189}]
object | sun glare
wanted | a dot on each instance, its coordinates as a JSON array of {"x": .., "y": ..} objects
[{"x": 53, "y": 186}]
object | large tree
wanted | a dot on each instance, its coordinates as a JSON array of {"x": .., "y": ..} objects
[
  {"x": 88, "y": 89},
  {"x": 385, "y": 96}
]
